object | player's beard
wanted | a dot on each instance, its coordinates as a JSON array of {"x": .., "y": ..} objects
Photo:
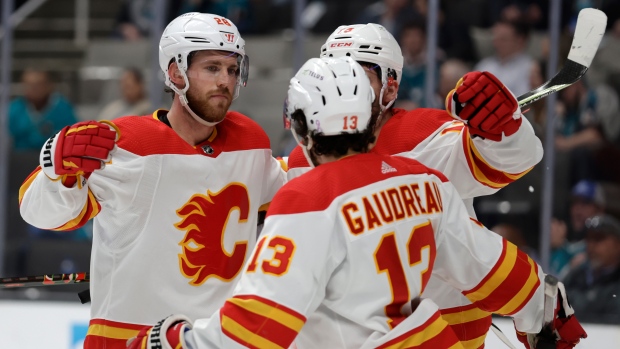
[{"x": 207, "y": 109}]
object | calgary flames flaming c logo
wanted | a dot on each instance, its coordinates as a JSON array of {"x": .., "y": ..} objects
[{"x": 204, "y": 219}]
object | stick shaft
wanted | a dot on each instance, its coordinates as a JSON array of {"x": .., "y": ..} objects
[{"x": 44, "y": 280}]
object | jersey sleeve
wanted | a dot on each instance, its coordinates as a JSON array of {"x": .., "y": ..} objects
[
  {"x": 48, "y": 204},
  {"x": 283, "y": 282},
  {"x": 477, "y": 166},
  {"x": 273, "y": 179},
  {"x": 491, "y": 272}
]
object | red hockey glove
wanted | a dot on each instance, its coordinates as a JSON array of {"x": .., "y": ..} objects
[
  {"x": 567, "y": 333},
  {"x": 78, "y": 150},
  {"x": 166, "y": 334},
  {"x": 485, "y": 105}
]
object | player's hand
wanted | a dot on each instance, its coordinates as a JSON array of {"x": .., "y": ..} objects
[
  {"x": 78, "y": 150},
  {"x": 487, "y": 107},
  {"x": 166, "y": 334},
  {"x": 567, "y": 333}
]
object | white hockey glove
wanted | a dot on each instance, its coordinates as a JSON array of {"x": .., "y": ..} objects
[
  {"x": 565, "y": 333},
  {"x": 166, "y": 334}
]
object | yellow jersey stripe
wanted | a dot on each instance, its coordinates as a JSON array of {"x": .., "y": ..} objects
[
  {"x": 246, "y": 335},
  {"x": 417, "y": 339},
  {"x": 465, "y": 316},
  {"x": 260, "y": 308},
  {"x": 474, "y": 343},
  {"x": 520, "y": 297},
  {"x": 111, "y": 332},
  {"x": 498, "y": 277}
]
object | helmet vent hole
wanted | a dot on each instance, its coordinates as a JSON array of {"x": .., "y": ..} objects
[
  {"x": 324, "y": 49},
  {"x": 354, "y": 75},
  {"x": 237, "y": 46},
  {"x": 318, "y": 89},
  {"x": 312, "y": 120},
  {"x": 339, "y": 93},
  {"x": 355, "y": 91},
  {"x": 348, "y": 54},
  {"x": 316, "y": 112},
  {"x": 324, "y": 103},
  {"x": 197, "y": 39},
  {"x": 221, "y": 44},
  {"x": 378, "y": 48},
  {"x": 364, "y": 46},
  {"x": 342, "y": 37},
  {"x": 331, "y": 55}
]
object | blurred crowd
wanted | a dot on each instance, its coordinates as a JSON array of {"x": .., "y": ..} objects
[{"x": 585, "y": 233}]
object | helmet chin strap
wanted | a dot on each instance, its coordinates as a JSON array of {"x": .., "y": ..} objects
[
  {"x": 185, "y": 103},
  {"x": 382, "y": 107}
]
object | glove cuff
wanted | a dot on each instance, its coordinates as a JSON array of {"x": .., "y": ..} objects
[
  {"x": 47, "y": 157},
  {"x": 168, "y": 334}
]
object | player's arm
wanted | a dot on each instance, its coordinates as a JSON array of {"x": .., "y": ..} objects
[
  {"x": 56, "y": 195},
  {"x": 282, "y": 283},
  {"x": 494, "y": 274},
  {"x": 490, "y": 146}
]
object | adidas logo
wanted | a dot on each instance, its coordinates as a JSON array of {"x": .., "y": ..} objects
[{"x": 385, "y": 168}]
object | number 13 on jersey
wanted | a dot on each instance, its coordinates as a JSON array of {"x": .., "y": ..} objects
[{"x": 421, "y": 256}]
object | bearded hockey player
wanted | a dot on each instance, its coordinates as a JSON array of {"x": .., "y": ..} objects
[
  {"x": 481, "y": 144},
  {"x": 359, "y": 235},
  {"x": 174, "y": 195}
]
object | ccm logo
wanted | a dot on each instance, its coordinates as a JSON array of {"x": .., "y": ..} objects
[{"x": 341, "y": 44}]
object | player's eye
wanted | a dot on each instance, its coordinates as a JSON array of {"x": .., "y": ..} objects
[{"x": 213, "y": 68}]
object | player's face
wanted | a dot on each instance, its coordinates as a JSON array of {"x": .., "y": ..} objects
[
  {"x": 212, "y": 79},
  {"x": 376, "y": 85},
  {"x": 602, "y": 249}
]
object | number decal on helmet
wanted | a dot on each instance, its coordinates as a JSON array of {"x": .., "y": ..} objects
[
  {"x": 222, "y": 21},
  {"x": 350, "y": 123}
]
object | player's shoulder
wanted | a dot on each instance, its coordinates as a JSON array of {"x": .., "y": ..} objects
[
  {"x": 417, "y": 168},
  {"x": 297, "y": 159},
  {"x": 239, "y": 132},
  {"x": 319, "y": 187},
  {"x": 147, "y": 135},
  {"x": 407, "y": 128}
]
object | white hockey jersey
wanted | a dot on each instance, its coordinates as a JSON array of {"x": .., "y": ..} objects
[
  {"x": 174, "y": 223},
  {"x": 474, "y": 166},
  {"x": 360, "y": 237}
]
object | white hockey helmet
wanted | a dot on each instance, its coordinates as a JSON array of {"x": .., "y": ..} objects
[
  {"x": 196, "y": 31},
  {"x": 334, "y": 94},
  {"x": 370, "y": 43}
]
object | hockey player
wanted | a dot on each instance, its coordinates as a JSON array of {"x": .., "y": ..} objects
[
  {"x": 360, "y": 235},
  {"x": 481, "y": 144},
  {"x": 174, "y": 195}
]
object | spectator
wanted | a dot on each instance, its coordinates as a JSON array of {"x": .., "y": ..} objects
[
  {"x": 413, "y": 46},
  {"x": 133, "y": 100},
  {"x": 39, "y": 113},
  {"x": 450, "y": 73},
  {"x": 134, "y": 19},
  {"x": 587, "y": 200},
  {"x": 510, "y": 63},
  {"x": 391, "y": 14},
  {"x": 514, "y": 235},
  {"x": 538, "y": 112},
  {"x": 587, "y": 124},
  {"x": 594, "y": 287}
]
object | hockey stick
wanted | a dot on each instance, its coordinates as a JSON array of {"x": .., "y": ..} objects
[
  {"x": 588, "y": 34},
  {"x": 547, "y": 335},
  {"x": 44, "y": 280}
]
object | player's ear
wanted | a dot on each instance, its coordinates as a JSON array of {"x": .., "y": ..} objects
[
  {"x": 391, "y": 91},
  {"x": 175, "y": 75}
]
